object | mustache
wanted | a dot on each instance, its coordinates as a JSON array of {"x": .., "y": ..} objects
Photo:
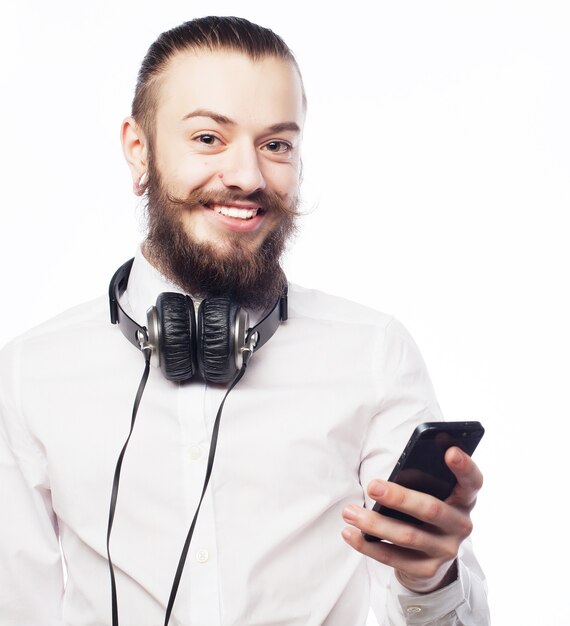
[{"x": 265, "y": 200}]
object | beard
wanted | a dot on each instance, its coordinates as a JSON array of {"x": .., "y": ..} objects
[{"x": 251, "y": 278}]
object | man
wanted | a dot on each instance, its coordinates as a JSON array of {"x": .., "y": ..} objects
[{"x": 317, "y": 420}]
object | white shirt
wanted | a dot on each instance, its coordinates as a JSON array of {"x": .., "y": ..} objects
[{"x": 323, "y": 408}]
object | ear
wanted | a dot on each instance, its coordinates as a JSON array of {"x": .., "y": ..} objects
[{"x": 135, "y": 149}]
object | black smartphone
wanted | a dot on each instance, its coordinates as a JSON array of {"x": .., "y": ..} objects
[{"x": 422, "y": 467}]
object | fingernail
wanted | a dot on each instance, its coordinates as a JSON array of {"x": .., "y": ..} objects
[
  {"x": 457, "y": 457},
  {"x": 377, "y": 489},
  {"x": 350, "y": 513},
  {"x": 347, "y": 534}
]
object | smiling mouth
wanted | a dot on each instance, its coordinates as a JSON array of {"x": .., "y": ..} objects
[{"x": 236, "y": 212}]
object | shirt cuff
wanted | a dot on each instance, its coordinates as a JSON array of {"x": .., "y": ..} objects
[{"x": 435, "y": 607}]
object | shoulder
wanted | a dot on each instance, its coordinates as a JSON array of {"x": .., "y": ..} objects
[
  {"x": 312, "y": 304},
  {"x": 80, "y": 328},
  {"x": 76, "y": 319},
  {"x": 349, "y": 321}
]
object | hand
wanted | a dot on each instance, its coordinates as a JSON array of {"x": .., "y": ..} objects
[{"x": 422, "y": 556}]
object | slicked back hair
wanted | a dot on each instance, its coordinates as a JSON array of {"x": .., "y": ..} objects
[{"x": 206, "y": 33}]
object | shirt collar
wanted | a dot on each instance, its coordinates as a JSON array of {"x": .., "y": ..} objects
[{"x": 144, "y": 286}]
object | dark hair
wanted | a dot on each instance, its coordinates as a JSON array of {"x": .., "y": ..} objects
[{"x": 209, "y": 33}]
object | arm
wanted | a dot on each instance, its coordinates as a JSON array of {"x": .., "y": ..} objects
[
  {"x": 435, "y": 577},
  {"x": 31, "y": 578}
]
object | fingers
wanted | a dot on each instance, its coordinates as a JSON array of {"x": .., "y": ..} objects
[
  {"x": 418, "y": 571},
  {"x": 469, "y": 478},
  {"x": 421, "y": 555},
  {"x": 407, "y": 536},
  {"x": 426, "y": 508},
  {"x": 389, "y": 554}
]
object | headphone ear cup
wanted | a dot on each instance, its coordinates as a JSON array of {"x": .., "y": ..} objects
[
  {"x": 215, "y": 350},
  {"x": 177, "y": 334}
]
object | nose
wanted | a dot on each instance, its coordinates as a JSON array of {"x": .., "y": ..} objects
[{"x": 242, "y": 170}]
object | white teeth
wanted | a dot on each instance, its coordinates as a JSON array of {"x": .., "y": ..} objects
[{"x": 231, "y": 211}]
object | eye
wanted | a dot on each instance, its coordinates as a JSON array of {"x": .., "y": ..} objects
[
  {"x": 208, "y": 139},
  {"x": 278, "y": 147}
]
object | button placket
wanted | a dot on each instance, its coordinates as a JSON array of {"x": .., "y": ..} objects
[
  {"x": 195, "y": 452},
  {"x": 202, "y": 556},
  {"x": 413, "y": 609}
]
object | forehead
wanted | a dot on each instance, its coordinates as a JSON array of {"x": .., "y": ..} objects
[{"x": 264, "y": 91}]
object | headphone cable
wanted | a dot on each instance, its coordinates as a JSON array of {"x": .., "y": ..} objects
[
  {"x": 115, "y": 489},
  {"x": 211, "y": 455},
  {"x": 117, "y": 475}
]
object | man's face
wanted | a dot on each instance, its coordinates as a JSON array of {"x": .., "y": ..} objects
[
  {"x": 226, "y": 150},
  {"x": 226, "y": 123}
]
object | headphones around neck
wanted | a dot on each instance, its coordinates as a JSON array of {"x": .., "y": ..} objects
[{"x": 183, "y": 342}]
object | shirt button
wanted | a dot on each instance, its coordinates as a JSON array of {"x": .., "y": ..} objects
[
  {"x": 195, "y": 452},
  {"x": 202, "y": 556},
  {"x": 413, "y": 610}
]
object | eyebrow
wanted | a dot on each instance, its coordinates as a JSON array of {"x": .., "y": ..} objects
[
  {"x": 282, "y": 126},
  {"x": 217, "y": 117},
  {"x": 226, "y": 121}
]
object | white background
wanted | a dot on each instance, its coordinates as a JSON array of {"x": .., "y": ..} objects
[{"x": 437, "y": 174}]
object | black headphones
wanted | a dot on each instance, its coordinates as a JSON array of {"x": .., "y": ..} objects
[{"x": 183, "y": 342}]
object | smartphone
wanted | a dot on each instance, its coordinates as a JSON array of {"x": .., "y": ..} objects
[{"x": 422, "y": 467}]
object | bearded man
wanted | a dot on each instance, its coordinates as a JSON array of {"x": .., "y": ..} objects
[{"x": 306, "y": 437}]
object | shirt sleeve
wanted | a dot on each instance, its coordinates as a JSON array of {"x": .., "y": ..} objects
[
  {"x": 31, "y": 575},
  {"x": 406, "y": 398}
]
